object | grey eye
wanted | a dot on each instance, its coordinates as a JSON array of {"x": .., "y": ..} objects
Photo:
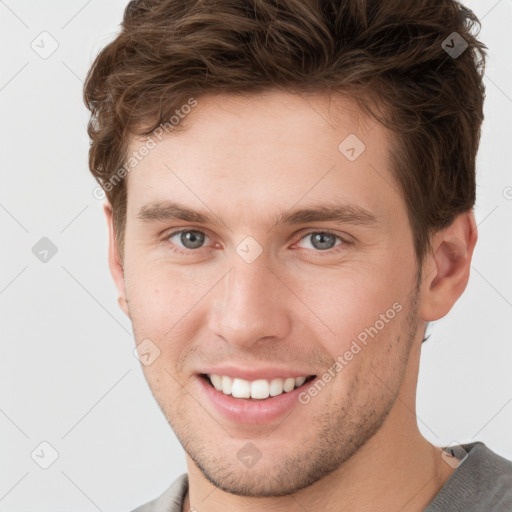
[
  {"x": 322, "y": 241},
  {"x": 190, "y": 239}
]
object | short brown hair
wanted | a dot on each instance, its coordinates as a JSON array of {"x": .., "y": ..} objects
[{"x": 392, "y": 57}]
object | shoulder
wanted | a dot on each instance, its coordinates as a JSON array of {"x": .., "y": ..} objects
[
  {"x": 482, "y": 481},
  {"x": 171, "y": 500}
]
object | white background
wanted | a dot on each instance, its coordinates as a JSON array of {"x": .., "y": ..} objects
[{"x": 67, "y": 372}]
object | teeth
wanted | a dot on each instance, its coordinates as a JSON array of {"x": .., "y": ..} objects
[
  {"x": 260, "y": 389},
  {"x": 299, "y": 381},
  {"x": 241, "y": 388},
  {"x": 288, "y": 384},
  {"x": 227, "y": 384},
  {"x": 216, "y": 381}
]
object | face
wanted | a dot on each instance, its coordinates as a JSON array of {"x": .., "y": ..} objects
[{"x": 263, "y": 245}]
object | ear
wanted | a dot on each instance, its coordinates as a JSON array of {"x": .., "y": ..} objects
[
  {"x": 114, "y": 262},
  {"x": 446, "y": 269}
]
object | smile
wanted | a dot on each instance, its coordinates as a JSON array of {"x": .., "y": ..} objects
[{"x": 259, "y": 389}]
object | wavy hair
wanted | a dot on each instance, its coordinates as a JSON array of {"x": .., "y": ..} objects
[{"x": 390, "y": 56}]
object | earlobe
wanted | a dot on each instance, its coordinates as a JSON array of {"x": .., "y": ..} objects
[
  {"x": 114, "y": 262},
  {"x": 448, "y": 266},
  {"x": 123, "y": 304}
]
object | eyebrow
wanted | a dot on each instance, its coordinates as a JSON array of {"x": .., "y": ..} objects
[{"x": 345, "y": 213}]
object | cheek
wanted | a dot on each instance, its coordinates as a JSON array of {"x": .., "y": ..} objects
[
  {"x": 158, "y": 295},
  {"x": 369, "y": 358},
  {"x": 354, "y": 304},
  {"x": 167, "y": 306}
]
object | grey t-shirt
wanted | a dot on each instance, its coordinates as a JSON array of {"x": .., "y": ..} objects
[{"x": 481, "y": 483}]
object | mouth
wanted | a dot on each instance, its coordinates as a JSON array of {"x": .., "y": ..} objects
[{"x": 256, "y": 390}]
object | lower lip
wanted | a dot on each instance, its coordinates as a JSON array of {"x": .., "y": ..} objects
[{"x": 252, "y": 411}]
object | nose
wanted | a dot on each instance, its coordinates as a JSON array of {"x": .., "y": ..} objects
[{"x": 251, "y": 304}]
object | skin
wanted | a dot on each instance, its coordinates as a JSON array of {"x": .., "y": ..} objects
[{"x": 356, "y": 445}]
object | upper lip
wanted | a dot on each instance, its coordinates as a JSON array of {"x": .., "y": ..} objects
[{"x": 269, "y": 373}]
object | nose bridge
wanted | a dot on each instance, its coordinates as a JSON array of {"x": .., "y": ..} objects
[{"x": 249, "y": 304}]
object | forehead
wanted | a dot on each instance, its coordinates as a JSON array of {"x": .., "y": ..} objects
[{"x": 266, "y": 153}]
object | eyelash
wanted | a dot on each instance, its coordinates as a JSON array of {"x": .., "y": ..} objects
[{"x": 335, "y": 249}]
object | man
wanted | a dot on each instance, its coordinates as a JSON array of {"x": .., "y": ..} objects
[{"x": 290, "y": 189}]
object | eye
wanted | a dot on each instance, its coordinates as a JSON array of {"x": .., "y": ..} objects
[
  {"x": 190, "y": 239},
  {"x": 324, "y": 240}
]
